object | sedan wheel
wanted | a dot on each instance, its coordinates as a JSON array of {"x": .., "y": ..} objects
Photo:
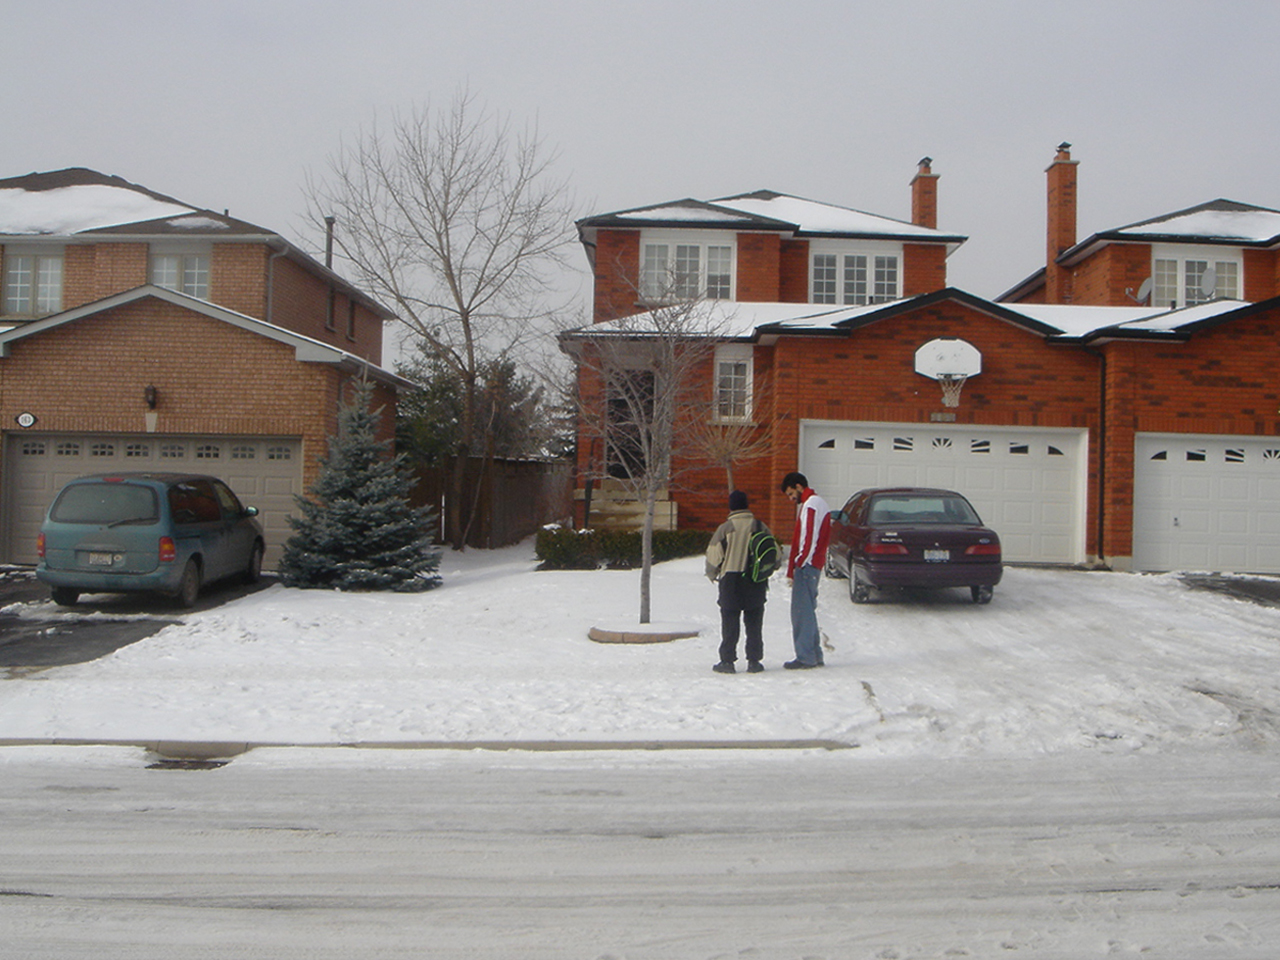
[
  {"x": 859, "y": 592},
  {"x": 982, "y": 594},
  {"x": 831, "y": 569},
  {"x": 189, "y": 587},
  {"x": 253, "y": 573}
]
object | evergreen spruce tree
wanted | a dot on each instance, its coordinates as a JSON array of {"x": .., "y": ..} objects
[{"x": 358, "y": 531}]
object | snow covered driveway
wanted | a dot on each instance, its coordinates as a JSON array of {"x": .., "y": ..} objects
[{"x": 1060, "y": 660}]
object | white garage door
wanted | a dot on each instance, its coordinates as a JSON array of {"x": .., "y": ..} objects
[
  {"x": 263, "y": 472},
  {"x": 1028, "y": 484},
  {"x": 1206, "y": 503}
]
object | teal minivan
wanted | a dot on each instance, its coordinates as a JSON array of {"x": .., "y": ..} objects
[{"x": 163, "y": 532}]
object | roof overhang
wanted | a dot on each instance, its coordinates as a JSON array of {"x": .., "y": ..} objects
[{"x": 306, "y": 349}]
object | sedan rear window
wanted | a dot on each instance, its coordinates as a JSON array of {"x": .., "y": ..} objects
[
  {"x": 921, "y": 510},
  {"x": 106, "y": 503}
]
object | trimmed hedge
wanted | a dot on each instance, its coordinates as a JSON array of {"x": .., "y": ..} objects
[{"x": 560, "y": 548}]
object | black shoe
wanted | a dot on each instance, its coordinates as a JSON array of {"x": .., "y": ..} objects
[
  {"x": 724, "y": 666},
  {"x": 755, "y": 666},
  {"x": 800, "y": 665}
]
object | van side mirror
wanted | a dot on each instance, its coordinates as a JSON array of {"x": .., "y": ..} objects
[{"x": 837, "y": 516}]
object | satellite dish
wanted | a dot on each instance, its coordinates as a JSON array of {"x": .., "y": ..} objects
[
  {"x": 948, "y": 357},
  {"x": 1209, "y": 283},
  {"x": 1144, "y": 291}
]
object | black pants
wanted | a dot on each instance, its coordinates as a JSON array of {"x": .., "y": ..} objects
[
  {"x": 740, "y": 598},
  {"x": 754, "y": 619}
]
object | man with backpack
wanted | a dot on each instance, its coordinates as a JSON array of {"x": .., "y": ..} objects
[{"x": 742, "y": 556}]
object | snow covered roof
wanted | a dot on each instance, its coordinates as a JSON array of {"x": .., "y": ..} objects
[
  {"x": 767, "y": 210},
  {"x": 79, "y": 201},
  {"x": 1216, "y": 222},
  {"x": 742, "y": 321}
]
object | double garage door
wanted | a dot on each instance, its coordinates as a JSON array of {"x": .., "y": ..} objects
[
  {"x": 1206, "y": 503},
  {"x": 1027, "y": 484},
  {"x": 263, "y": 472}
]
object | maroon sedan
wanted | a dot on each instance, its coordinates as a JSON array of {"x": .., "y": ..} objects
[{"x": 913, "y": 537}]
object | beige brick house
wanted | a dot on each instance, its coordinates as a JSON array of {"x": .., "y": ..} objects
[{"x": 140, "y": 333}]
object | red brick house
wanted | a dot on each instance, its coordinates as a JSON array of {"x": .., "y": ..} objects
[
  {"x": 1099, "y": 430},
  {"x": 140, "y": 333}
]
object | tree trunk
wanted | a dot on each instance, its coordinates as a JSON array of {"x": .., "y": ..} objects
[{"x": 646, "y": 554}]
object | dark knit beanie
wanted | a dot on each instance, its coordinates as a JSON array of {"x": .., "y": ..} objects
[{"x": 737, "y": 500}]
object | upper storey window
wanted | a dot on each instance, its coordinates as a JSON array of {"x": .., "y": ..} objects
[
  {"x": 1187, "y": 276},
  {"x": 185, "y": 270},
  {"x": 674, "y": 267},
  {"x": 840, "y": 274},
  {"x": 32, "y": 282}
]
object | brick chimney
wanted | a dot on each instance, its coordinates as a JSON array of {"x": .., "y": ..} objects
[
  {"x": 1061, "y": 223},
  {"x": 924, "y": 196}
]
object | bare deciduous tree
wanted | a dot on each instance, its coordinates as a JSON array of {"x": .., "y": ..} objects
[
  {"x": 728, "y": 438},
  {"x": 457, "y": 223},
  {"x": 642, "y": 379}
]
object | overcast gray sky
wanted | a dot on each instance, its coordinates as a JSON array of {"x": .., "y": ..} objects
[{"x": 227, "y": 104}]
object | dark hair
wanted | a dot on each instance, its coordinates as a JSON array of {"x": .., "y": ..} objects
[
  {"x": 737, "y": 500},
  {"x": 793, "y": 479}
]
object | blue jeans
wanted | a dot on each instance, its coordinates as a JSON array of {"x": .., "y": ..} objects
[{"x": 804, "y": 614}]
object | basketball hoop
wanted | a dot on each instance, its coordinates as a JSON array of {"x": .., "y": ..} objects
[
  {"x": 951, "y": 384},
  {"x": 951, "y": 361}
]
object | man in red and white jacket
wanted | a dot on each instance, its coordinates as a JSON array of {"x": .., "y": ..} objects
[{"x": 804, "y": 568}]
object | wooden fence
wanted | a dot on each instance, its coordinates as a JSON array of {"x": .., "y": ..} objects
[{"x": 510, "y": 499}]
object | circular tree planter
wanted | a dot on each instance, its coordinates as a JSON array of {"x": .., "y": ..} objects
[{"x": 641, "y": 632}]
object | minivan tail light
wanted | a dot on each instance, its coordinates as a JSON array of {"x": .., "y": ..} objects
[
  {"x": 983, "y": 550},
  {"x": 168, "y": 550},
  {"x": 40, "y": 546}
]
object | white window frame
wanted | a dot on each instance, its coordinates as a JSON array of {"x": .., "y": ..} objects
[
  {"x": 660, "y": 276},
  {"x": 43, "y": 280},
  {"x": 1174, "y": 265},
  {"x": 875, "y": 287},
  {"x": 191, "y": 265},
  {"x": 740, "y": 358}
]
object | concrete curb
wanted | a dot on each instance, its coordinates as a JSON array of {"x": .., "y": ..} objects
[{"x": 223, "y": 750}]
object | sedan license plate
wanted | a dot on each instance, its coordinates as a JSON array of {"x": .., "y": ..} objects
[
  {"x": 937, "y": 556},
  {"x": 101, "y": 559}
]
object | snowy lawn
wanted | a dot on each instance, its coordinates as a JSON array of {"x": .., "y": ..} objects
[{"x": 1060, "y": 660}]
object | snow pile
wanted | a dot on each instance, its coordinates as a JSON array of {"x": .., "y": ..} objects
[{"x": 1061, "y": 660}]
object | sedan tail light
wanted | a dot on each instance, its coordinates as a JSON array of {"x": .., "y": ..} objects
[
  {"x": 887, "y": 549},
  {"x": 168, "y": 550},
  {"x": 983, "y": 550},
  {"x": 40, "y": 546}
]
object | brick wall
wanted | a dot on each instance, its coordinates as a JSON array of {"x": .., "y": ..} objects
[
  {"x": 793, "y": 287},
  {"x": 211, "y": 377},
  {"x": 1112, "y": 276},
  {"x": 924, "y": 268},
  {"x": 617, "y": 274},
  {"x": 759, "y": 267}
]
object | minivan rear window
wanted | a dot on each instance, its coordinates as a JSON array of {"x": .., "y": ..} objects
[{"x": 104, "y": 503}]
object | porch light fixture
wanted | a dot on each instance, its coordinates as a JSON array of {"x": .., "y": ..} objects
[{"x": 150, "y": 395}]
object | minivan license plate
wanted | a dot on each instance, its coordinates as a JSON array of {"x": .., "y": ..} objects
[
  {"x": 101, "y": 559},
  {"x": 934, "y": 556}
]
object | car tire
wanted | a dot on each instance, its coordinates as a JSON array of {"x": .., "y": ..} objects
[
  {"x": 189, "y": 587},
  {"x": 982, "y": 594},
  {"x": 253, "y": 572},
  {"x": 64, "y": 596},
  {"x": 830, "y": 568},
  {"x": 859, "y": 590}
]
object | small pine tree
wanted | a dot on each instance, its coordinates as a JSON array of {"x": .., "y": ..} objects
[{"x": 358, "y": 532}]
